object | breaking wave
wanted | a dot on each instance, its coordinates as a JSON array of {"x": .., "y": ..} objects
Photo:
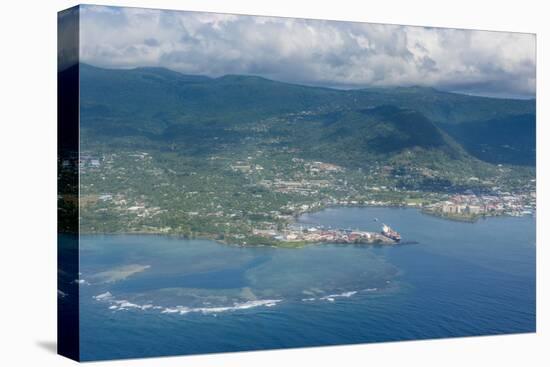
[
  {"x": 332, "y": 297},
  {"x": 121, "y": 305},
  {"x": 209, "y": 310}
]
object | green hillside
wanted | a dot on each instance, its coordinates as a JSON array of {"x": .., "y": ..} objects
[
  {"x": 168, "y": 107},
  {"x": 163, "y": 152}
]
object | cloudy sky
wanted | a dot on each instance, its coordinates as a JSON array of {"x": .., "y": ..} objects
[{"x": 313, "y": 52}]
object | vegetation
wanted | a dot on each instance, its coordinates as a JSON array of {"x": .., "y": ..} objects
[{"x": 163, "y": 152}]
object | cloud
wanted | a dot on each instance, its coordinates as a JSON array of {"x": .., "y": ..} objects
[{"x": 316, "y": 52}]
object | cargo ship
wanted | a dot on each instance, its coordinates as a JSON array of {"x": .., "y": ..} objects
[{"x": 390, "y": 233}]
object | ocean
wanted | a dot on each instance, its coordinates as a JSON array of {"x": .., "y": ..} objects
[{"x": 148, "y": 295}]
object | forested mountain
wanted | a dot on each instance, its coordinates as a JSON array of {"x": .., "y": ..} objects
[{"x": 198, "y": 114}]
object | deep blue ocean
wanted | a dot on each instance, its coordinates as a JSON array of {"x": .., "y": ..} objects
[{"x": 144, "y": 296}]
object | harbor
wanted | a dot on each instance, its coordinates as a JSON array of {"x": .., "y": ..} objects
[{"x": 322, "y": 234}]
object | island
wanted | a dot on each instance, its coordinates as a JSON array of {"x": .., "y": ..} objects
[{"x": 242, "y": 172}]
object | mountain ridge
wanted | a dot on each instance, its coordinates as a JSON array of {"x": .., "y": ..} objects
[{"x": 154, "y": 101}]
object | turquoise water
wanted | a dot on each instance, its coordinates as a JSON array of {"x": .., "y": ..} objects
[{"x": 148, "y": 296}]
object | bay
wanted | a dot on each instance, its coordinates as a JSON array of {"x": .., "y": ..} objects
[{"x": 146, "y": 295}]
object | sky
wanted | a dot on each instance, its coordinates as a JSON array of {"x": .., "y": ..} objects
[{"x": 313, "y": 52}]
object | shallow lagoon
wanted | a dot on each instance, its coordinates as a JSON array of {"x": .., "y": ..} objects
[{"x": 155, "y": 295}]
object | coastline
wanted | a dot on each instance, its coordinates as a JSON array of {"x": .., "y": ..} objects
[
  {"x": 410, "y": 269},
  {"x": 267, "y": 242}
]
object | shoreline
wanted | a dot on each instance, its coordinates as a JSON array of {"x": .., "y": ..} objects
[{"x": 297, "y": 244}]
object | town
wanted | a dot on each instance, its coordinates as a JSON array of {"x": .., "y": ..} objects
[
  {"x": 255, "y": 199},
  {"x": 318, "y": 234},
  {"x": 471, "y": 206}
]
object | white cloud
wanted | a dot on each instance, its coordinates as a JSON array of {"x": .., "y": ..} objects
[{"x": 329, "y": 53}]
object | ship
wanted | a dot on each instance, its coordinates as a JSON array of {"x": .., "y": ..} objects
[{"x": 390, "y": 233}]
